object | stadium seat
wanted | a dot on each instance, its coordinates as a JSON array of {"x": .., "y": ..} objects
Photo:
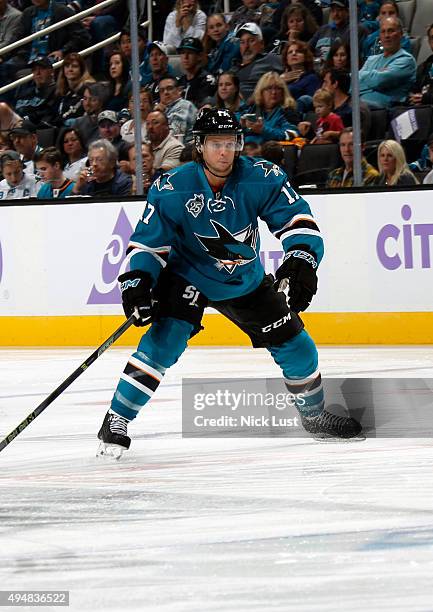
[
  {"x": 407, "y": 9},
  {"x": 422, "y": 18},
  {"x": 414, "y": 144},
  {"x": 46, "y": 137},
  {"x": 378, "y": 125},
  {"x": 315, "y": 163},
  {"x": 415, "y": 44},
  {"x": 290, "y": 160},
  {"x": 424, "y": 51}
]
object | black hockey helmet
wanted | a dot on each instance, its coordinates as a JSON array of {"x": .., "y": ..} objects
[{"x": 216, "y": 121}]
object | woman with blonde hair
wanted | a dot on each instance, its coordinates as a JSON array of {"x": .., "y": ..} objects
[
  {"x": 392, "y": 165},
  {"x": 186, "y": 20},
  {"x": 70, "y": 85},
  {"x": 273, "y": 114}
]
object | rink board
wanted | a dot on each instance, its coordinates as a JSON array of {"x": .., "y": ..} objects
[{"x": 59, "y": 266}]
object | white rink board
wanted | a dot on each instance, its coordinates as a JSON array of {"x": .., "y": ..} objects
[{"x": 64, "y": 259}]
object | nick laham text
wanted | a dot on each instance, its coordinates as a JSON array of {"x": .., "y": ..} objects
[{"x": 245, "y": 421}]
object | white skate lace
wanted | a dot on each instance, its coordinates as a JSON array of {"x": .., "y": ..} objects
[{"x": 118, "y": 424}]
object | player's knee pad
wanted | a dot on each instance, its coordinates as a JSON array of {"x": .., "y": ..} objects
[
  {"x": 166, "y": 340},
  {"x": 297, "y": 357}
]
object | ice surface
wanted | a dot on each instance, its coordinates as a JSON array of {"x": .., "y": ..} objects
[{"x": 209, "y": 525}]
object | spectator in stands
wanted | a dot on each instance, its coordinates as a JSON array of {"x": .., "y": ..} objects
[
  {"x": 422, "y": 92},
  {"x": 196, "y": 82},
  {"x": 166, "y": 149},
  {"x": 185, "y": 20},
  {"x": 336, "y": 30},
  {"x": 37, "y": 100},
  {"x": 247, "y": 12},
  {"x": 94, "y": 98},
  {"x": 373, "y": 44},
  {"x": 313, "y": 6},
  {"x": 228, "y": 94},
  {"x": 328, "y": 125},
  {"x": 337, "y": 82},
  {"x": 71, "y": 81},
  {"x": 252, "y": 149},
  {"x": 338, "y": 57},
  {"x": 368, "y": 11},
  {"x": 143, "y": 53},
  {"x": 297, "y": 23},
  {"x": 101, "y": 24},
  {"x": 220, "y": 45},
  {"x": 387, "y": 78},
  {"x": 127, "y": 129},
  {"x": 299, "y": 74},
  {"x": 9, "y": 23},
  {"x": 392, "y": 165},
  {"x": 118, "y": 68},
  {"x": 72, "y": 37},
  {"x": 159, "y": 66},
  {"x": 148, "y": 170},
  {"x": 102, "y": 178},
  {"x": 274, "y": 152},
  {"x": 343, "y": 176},
  {"x": 5, "y": 141},
  {"x": 25, "y": 142},
  {"x": 8, "y": 118},
  {"x": 54, "y": 184},
  {"x": 273, "y": 115},
  {"x": 181, "y": 114},
  {"x": 253, "y": 63},
  {"x": 16, "y": 184},
  {"x": 109, "y": 129},
  {"x": 74, "y": 153}
]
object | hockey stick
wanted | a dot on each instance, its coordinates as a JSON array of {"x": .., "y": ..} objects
[{"x": 65, "y": 384}]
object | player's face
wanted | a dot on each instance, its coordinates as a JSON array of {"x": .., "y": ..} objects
[
  {"x": 13, "y": 173},
  {"x": 216, "y": 28},
  {"x": 346, "y": 149},
  {"x": 219, "y": 153},
  {"x": 387, "y": 161}
]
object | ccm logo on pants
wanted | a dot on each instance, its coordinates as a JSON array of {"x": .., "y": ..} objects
[{"x": 276, "y": 324}]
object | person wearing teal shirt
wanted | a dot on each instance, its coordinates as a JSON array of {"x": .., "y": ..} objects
[{"x": 49, "y": 166}]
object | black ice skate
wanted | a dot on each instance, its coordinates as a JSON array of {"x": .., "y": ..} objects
[
  {"x": 327, "y": 426},
  {"x": 112, "y": 434}
]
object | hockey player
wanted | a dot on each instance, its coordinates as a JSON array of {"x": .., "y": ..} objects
[{"x": 197, "y": 243}]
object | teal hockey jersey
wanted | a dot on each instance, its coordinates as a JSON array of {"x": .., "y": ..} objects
[{"x": 212, "y": 239}]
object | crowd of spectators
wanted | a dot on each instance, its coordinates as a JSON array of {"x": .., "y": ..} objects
[{"x": 282, "y": 67}]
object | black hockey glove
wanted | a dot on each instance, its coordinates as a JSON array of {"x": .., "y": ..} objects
[
  {"x": 136, "y": 287},
  {"x": 299, "y": 271}
]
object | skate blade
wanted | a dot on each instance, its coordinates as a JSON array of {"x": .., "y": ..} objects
[
  {"x": 110, "y": 451},
  {"x": 328, "y": 439}
]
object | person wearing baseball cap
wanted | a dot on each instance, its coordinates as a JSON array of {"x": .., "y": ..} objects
[
  {"x": 337, "y": 30},
  {"x": 158, "y": 63},
  {"x": 25, "y": 142},
  {"x": 109, "y": 128},
  {"x": 197, "y": 84},
  {"x": 36, "y": 100},
  {"x": 254, "y": 62}
]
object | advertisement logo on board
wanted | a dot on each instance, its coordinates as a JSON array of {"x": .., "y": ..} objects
[
  {"x": 407, "y": 246},
  {"x": 106, "y": 289}
]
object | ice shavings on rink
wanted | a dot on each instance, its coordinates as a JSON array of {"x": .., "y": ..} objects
[{"x": 212, "y": 524}]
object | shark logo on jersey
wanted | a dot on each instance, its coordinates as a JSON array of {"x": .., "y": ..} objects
[
  {"x": 268, "y": 167},
  {"x": 230, "y": 250},
  {"x": 219, "y": 204},
  {"x": 163, "y": 182},
  {"x": 195, "y": 205}
]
